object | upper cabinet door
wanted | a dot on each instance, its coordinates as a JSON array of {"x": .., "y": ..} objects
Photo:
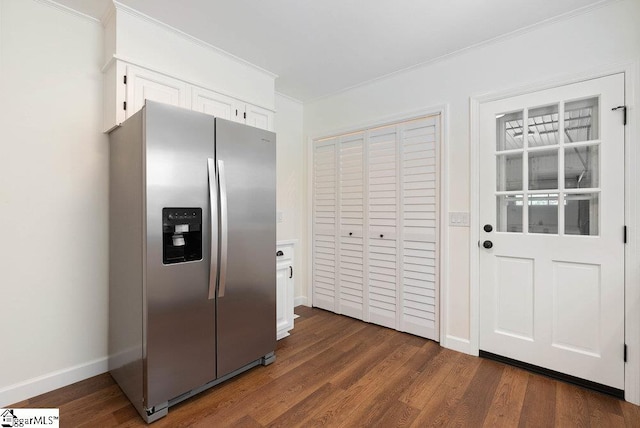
[
  {"x": 259, "y": 117},
  {"x": 217, "y": 105},
  {"x": 126, "y": 87},
  {"x": 146, "y": 85}
]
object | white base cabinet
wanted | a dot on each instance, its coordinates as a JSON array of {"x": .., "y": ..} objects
[{"x": 284, "y": 289}]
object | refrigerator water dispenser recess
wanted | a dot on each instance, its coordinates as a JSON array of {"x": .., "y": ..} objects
[{"x": 181, "y": 235}]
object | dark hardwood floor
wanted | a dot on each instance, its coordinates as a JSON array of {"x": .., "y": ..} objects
[{"x": 337, "y": 371}]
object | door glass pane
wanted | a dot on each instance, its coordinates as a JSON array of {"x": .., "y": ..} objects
[
  {"x": 543, "y": 126},
  {"x": 509, "y": 131},
  {"x": 543, "y": 169},
  {"x": 581, "y": 167},
  {"x": 509, "y": 213},
  {"x": 581, "y": 120},
  {"x": 543, "y": 213},
  {"x": 509, "y": 172},
  {"x": 581, "y": 214}
]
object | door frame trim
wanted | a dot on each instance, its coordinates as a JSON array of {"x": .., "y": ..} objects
[
  {"x": 443, "y": 190},
  {"x": 631, "y": 201}
]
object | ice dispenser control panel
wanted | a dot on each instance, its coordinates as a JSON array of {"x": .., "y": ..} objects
[{"x": 181, "y": 235}]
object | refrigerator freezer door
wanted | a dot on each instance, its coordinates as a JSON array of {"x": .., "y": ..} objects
[
  {"x": 246, "y": 321},
  {"x": 180, "y": 329}
]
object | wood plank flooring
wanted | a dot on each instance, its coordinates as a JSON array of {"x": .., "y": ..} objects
[{"x": 336, "y": 371}]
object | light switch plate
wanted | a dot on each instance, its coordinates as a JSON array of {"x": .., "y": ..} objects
[
  {"x": 459, "y": 219},
  {"x": 279, "y": 216}
]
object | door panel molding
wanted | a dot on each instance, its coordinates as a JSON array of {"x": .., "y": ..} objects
[{"x": 632, "y": 211}]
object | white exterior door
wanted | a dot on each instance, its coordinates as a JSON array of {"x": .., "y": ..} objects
[{"x": 551, "y": 231}]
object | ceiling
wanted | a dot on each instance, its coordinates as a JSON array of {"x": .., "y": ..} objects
[{"x": 321, "y": 47}]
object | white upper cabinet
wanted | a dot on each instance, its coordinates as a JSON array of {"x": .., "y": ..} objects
[
  {"x": 145, "y": 85},
  {"x": 259, "y": 117},
  {"x": 162, "y": 64},
  {"x": 229, "y": 108},
  {"x": 215, "y": 104},
  {"x": 128, "y": 86}
]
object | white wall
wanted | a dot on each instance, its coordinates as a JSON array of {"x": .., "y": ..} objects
[
  {"x": 589, "y": 41},
  {"x": 291, "y": 177},
  {"x": 53, "y": 199}
]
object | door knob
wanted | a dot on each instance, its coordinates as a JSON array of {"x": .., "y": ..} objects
[
  {"x": 350, "y": 233},
  {"x": 488, "y": 228},
  {"x": 487, "y": 244}
]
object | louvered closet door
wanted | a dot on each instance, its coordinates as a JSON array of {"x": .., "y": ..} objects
[
  {"x": 350, "y": 197},
  {"x": 419, "y": 141},
  {"x": 375, "y": 230},
  {"x": 382, "y": 213},
  {"x": 325, "y": 224}
]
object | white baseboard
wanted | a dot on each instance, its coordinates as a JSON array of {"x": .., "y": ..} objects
[
  {"x": 300, "y": 300},
  {"x": 457, "y": 344},
  {"x": 48, "y": 382}
]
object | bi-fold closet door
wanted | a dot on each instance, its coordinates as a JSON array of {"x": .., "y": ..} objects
[
  {"x": 350, "y": 284},
  {"x": 338, "y": 221},
  {"x": 375, "y": 225}
]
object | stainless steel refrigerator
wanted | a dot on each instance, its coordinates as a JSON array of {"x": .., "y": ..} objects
[{"x": 192, "y": 277}]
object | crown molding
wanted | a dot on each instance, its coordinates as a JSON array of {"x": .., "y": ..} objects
[
  {"x": 137, "y": 14},
  {"x": 67, "y": 10},
  {"x": 549, "y": 21},
  {"x": 109, "y": 13},
  {"x": 288, "y": 97}
]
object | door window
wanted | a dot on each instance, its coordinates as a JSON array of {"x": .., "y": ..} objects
[{"x": 551, "y": 166}]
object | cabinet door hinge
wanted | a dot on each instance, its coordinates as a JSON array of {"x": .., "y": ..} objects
[
  {"x": 624, "y": 113},
  {"x": 291, "y": 272},
  {"x": 124, "y": 105},
  {"x": 125, "y": 79},
  {"x": 625, "y": 352},
  {"x": 625, "y": 234},
  {"x": 245, "y": 114}
]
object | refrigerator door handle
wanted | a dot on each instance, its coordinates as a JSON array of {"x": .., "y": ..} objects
[
  {"x": 224, "y": 229},
  {"x": 213, "y": 210}
]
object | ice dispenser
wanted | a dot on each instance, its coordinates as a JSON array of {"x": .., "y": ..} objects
[{"x": 181, "y": 235}]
